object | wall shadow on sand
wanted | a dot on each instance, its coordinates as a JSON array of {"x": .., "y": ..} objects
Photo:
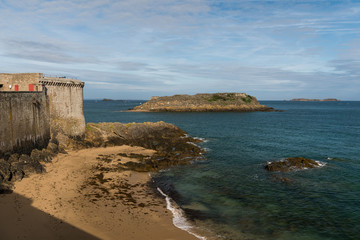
[{"x": 20, "y": 220}]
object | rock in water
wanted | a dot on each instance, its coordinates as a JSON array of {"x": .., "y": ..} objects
[
  {"x": 289, "y": 164},
  {"x": 217, "y": 102}
]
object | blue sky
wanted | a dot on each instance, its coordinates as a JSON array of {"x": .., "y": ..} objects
[{"x": 135, "y": 49}]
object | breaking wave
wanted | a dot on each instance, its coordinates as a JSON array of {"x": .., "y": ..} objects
[{"x": 178, "y": 216}]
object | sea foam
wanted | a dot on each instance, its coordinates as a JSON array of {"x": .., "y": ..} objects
[{"x": 179, "y": 220}]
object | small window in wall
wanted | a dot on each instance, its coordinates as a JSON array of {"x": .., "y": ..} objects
[{"x": 1, "y": 86}]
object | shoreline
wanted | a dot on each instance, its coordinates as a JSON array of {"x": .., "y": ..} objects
[{"x": 83, "y": 195}]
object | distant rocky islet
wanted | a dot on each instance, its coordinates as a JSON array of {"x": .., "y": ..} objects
[
  {"x": 315, "y": 100},
  {"x": 207, "y": 102}
]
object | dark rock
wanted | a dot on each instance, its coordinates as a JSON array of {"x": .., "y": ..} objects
[
  {"x": 288, "y": 164},
  {"x": 47, "y": 155},
  {"x": 36, "y": 154},
  {"x": 52, "y": 147},
  {"x": 44, "y": 155},
  {"x": 7, "y": 156},
  {"x": 13, "y": 158},
  {"x": 66, "y": 142},
  {"x": 5, "y": 173},
  {"x": 5, "y": 188},
  {"x": 281, "y": 179},
  {"x": 172, "y": 145},
  {"x": 17, "y": 172},
  {"x": 24, "y": 166},
  {"x": 30, "y": 166}
]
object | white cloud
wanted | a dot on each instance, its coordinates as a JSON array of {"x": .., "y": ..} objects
[{"x": 160, "y": 47}]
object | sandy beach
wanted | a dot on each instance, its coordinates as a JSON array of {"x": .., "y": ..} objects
[{"x": 83, "y": 195}]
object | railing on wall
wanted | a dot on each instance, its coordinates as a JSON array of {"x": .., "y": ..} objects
[{"x": 59, "y": 76}]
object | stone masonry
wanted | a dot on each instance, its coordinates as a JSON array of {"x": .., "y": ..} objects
[{"x": 35, "y": 108}]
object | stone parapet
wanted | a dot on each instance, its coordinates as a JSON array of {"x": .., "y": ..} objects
[{"x": 63, "y": 82}]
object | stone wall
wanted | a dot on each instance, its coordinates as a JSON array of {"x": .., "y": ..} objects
[
  {"x": 22, "y": 80},
  {"x": 66, "y": 106},
  {"x": 29, "y": 118},
  {"x": 24, "y": 121}
]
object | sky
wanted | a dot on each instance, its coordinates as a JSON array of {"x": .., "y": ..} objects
[{"x": 135, "y": 49}]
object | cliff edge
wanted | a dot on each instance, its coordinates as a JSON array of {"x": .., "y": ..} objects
[{"x": 216, "y": 102}]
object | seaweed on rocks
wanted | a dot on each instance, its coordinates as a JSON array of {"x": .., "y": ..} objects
[{"x": 172, "y": 145}]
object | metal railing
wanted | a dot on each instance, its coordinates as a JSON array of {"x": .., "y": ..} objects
[{"x": 59, "y": 76}]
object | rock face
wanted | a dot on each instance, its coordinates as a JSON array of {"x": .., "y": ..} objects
[
  {"x": 172, "y": 145},
  {"x": 289, "y": 164},
  {"x": 217, "y": 102},
  {"x": 314, "y": 100},
  {"x": 15, "y": 167}
]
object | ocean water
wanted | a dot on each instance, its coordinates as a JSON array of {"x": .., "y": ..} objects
[{"x": 230, "y": 192}]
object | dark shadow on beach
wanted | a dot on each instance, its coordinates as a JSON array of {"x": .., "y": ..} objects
[{"x": 20, "y": 220}]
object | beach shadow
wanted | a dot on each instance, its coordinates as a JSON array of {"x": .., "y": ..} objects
[{"x": 20, "y": 220}]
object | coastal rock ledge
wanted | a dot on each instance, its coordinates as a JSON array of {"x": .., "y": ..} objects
[
  {"x": 216, "y": 102},
  {"x": 291, "y": 164}
]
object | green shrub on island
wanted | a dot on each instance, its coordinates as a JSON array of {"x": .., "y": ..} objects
[
  {"x": 217, "y": 97},
  {"x": 247, "y": 99}
]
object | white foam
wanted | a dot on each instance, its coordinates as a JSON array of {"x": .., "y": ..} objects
[
  {"x": 179, "y": 220},
  {"x": 185, "y": 136},
  {"x": 202, "y": 139},
  {"x": 192, "y": 143},
  {"x": 321, "y": 164}
]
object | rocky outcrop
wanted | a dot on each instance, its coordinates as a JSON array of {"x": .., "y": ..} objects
[
  {"x": 172, "y": 146},
  {"x": 290, "y": 164},
  {"x": 315, "y": 100},
  {"x": 217, "y": 102},
  {"x": 15, "y": 167}
]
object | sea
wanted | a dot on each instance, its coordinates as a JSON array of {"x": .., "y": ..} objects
[{"x": 230, "y": 195}]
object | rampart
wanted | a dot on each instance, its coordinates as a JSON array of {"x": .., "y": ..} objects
[
  {"x": 35, "y": 108},
  {"x": 24, "y": 121}
]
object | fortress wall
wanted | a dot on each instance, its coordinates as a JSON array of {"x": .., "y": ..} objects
[
  {"x": 21, "y": 79},
  {"x": 24, "y": 121},
  {"x": 66, "y": 107}
]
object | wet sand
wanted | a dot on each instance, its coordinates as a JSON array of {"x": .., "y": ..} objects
[{"x": 83, "y": 196}]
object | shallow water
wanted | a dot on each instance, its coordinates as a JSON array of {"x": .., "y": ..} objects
[{"x": 232, "y": 194}]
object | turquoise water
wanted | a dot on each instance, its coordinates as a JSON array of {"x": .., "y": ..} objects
[{"x": 232, "y": 194}]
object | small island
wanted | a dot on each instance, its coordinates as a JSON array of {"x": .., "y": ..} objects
[
  {"x": 315, "y": 100},
  {"x": 211, "y": 102}
]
